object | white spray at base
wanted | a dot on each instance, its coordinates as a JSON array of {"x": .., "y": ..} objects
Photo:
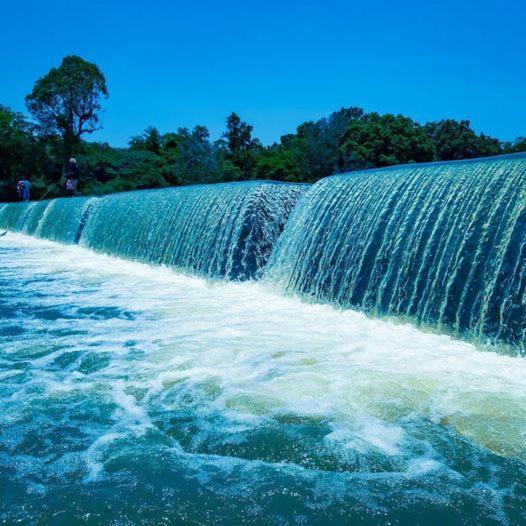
[{"x": 258, "y": 355}]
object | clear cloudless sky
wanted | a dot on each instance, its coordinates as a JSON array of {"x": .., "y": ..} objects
[{"x": 277, "y": 63}]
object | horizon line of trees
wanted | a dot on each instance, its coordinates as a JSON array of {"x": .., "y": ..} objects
[{"x": 64, "y": 105}]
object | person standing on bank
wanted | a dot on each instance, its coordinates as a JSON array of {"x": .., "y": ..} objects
[
  {"x": 72, "y": 176},
  {"x": 23, "y": 189}
]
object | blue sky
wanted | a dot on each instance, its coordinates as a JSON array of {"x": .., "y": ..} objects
[{"x": 172, "y": 63}]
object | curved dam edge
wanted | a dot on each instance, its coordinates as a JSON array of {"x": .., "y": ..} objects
[
  {"x": 439, "y": 245},
  {"x": 224, "y": 230},
  {"x": 442, "y": 245}
]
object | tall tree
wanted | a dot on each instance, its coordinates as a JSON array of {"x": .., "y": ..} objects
[
  {"x": 316, "y": 145},
  {"x": 150, "y": 140},
  {"x": 196, "y": 161},
  {"x": 240, "y": 144},
  {"x": 67, "y": 101}
]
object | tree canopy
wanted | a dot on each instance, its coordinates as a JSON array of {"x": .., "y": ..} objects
[
  {"x": 67, "y": 99},
  {"x": 65, "y": 106},
  {"x": 456, "y": 140},
  {"x": 384, "y": 140}
]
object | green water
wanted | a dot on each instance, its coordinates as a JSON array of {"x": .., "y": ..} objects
[{"x": 222, "y": 230}]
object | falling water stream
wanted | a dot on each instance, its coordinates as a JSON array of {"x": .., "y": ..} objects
[{"x": 441, "y": 244}]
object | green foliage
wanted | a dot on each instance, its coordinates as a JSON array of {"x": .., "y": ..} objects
[
  {"x": 456, "y": 140},
  {"x": 66, "y": 100},
  {"x": 277, "y": 163},
  {"x": 240, "y": 149},
  {"x": 316, "y": 145},
  {"x": 65, "y": 104},
  {"x": 519, "y": 145},
  {"x": 195, "y": 159},
  {"x": 105, "y": 169},
  {"x": 384, "y": 140},
  {"x": 23, "y": 155},
  {"x": 150, "y": 141},
  {"x": 15, "y": 146}
]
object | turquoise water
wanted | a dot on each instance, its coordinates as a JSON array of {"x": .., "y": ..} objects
[
  {"x": 132, "y": 394},
  {"x": 439, "y": 244},
  {"x": 133, "y": 391},
  {"x": 442, "y": 245},
  {"x": 221, "y": 230}
]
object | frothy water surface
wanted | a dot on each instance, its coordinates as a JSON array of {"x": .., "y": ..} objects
[{"x": 132, "y": 394}]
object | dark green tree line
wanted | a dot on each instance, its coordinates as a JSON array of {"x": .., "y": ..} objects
[{"x": 65, "y": 107}]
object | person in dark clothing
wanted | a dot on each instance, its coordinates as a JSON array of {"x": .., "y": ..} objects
[
  {"x": 72, "y": 176},
  {"x": 23, "y": 189}
]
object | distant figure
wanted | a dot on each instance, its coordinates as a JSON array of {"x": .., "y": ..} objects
[
  {"x": 72, "y": 176},
  {"x": 23, "y": 189}
]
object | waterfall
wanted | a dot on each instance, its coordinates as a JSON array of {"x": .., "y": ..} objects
[
  {"x": 12, "y": 215},
  {"x": 442, "y": 244},
  {"x": 57, "y": 219},
  {"x": 222, "y": 230},
  {"x": 32, "y": 218},
  {"x": 63, "y": 219}
]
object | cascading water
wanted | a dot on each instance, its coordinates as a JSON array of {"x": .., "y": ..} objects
[
  {"x": 3, "y": 208},
  {"x": 32, "y": 218},
  {"x": 215, "y": 230},
  {"x": 443, "y": 244},
  {"x": 57, "y": 220},
  {"x": 12, "y": 215},
  {"x": 64, "y": 219},
  {"x": 224, "y": 230}
]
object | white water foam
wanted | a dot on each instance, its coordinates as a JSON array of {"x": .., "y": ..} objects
[{"x": 261, "y": 355}]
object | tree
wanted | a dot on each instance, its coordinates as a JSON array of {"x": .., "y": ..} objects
[
  {"x": 241, "y": 147},
  {"x": 519, "y": 145},
  {"x": 106, "y": 169},
  {"x": 277, "y": 163},
  {"x": 457, "y": 140},
  {"x": 150, "y": 140},
  {"x": 23, "y": 154},
  {"x": 196, "y": 161},
  {"x": 384, "y": 140},
  {"x": 67, "y": 101},
  {"x": 316, "y": 145},
  {"x": 15, "y": 142}
]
